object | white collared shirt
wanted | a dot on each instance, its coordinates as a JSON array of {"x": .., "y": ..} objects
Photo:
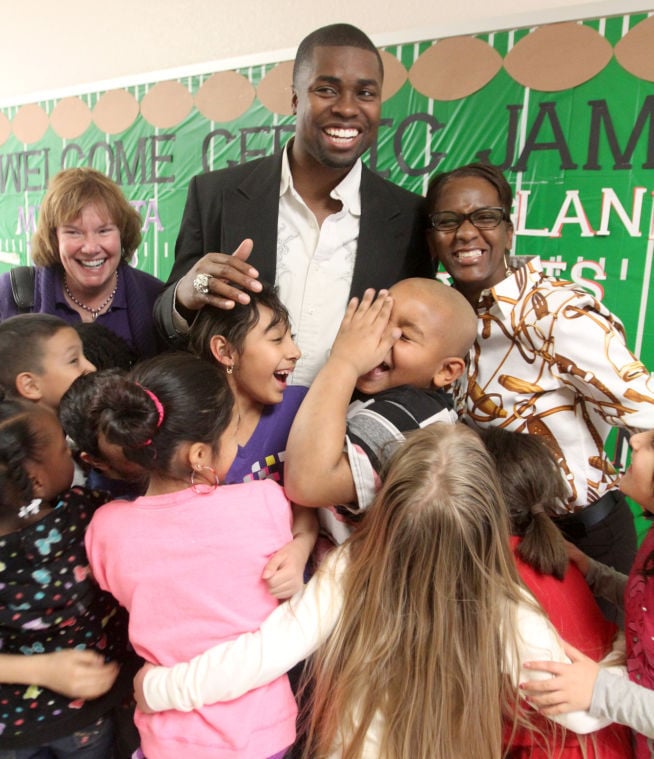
[{"x": 315, "y": 266}]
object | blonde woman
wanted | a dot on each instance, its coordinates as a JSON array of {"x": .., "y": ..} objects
[
  {"x": 422, "y": 621},
  {"x": 86, "y": 235}
]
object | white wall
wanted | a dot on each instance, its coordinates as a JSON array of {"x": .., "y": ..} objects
[{"x": 65, "y": 47}]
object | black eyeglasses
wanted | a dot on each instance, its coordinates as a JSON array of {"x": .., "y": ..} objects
[{"x": 482, "y": 218}]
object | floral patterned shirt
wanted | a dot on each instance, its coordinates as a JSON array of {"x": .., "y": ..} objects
[{"x": 551, "y": 360}]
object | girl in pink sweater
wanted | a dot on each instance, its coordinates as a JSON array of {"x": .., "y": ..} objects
[{"x": 186, "y": 558}]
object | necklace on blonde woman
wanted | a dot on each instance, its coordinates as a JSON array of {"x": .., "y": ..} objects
[{"x": 95, "y": 312}]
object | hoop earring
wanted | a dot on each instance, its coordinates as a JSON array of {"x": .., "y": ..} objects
[
  {"x": 204, "y": 488},
  {"x": 229, "y": 370}
]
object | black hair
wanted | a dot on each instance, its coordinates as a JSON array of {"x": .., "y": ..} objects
[
  {"x": 334, "y": 35},
  {"x": 533, "y": 488},
  {"x": 20, "y": 441},
  {"x": 104, "y": 348},
  {"x": 492, "y": 174},
  {"x": 163, "y": 402},
  {"x": 234, "y": 324},
  {"x": 81, "y": 406},
  {"x": 21, "y": 345}
]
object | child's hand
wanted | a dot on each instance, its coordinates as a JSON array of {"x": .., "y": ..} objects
[
  {"x": 284, "y": 572},
  {"x": 569, "y": 690},
  {"x": 364, "y": 337},
  {"x": 578, "y": 557},
  {"x": 139, "y": 694},
  {"x": 77, "y": 674}
]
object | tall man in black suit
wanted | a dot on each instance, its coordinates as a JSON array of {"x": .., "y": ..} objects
[{"x": 311, "y": 219}]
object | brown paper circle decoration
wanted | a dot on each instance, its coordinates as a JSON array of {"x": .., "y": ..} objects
[
  {"x": 70, "y": 118},
  {"x": 5, "y": 128},
  {"x": 224, "y": 96},
  {"x": 166, "y": 104},
  {"x": 454, "y": 68},
  {"x": 394, "y": 75},
  {"x": 30, "y": 123},
  {"x": 558, "y": 57},
  {"x": 115, "y": 111},
  {"x": 634, "y": 51},
  {"x": 275, "y": 91}
]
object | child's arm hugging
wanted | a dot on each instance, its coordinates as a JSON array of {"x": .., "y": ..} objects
[
  {"x": 72, "y": 672},
  {"x": 284, "y": 572}
]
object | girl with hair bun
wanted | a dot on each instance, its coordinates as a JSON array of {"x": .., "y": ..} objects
[{"x": 186, "y": 558}]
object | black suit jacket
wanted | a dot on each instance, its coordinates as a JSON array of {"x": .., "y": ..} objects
[{"x": 224, "y": 207}]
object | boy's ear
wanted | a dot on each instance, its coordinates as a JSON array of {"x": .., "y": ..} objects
[
  {"x": 450, "y": 369},
  {"x": 28, "y": 385},
  {"x": 222, "y": 350}
]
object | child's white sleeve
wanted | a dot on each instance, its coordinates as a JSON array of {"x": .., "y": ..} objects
[
  {"x": 228, "y": 670},
  {"x": 538, "y": 641},
  {"x": 618, "y": 699}
]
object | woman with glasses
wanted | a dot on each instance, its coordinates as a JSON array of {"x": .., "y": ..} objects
[{"x": 549, "y": 358}]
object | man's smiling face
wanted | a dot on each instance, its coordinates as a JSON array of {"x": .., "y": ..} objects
[{"x": 337, "y": 101}]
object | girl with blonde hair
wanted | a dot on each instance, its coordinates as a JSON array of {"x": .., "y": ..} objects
[{"x": 422, "y": 621}]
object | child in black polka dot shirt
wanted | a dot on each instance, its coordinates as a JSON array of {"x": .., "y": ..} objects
[{"x": 61, "y": 638}]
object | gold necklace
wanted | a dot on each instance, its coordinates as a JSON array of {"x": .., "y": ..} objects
[{"x": 95, "y": 312}]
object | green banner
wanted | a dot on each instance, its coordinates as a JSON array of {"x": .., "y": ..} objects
[{"x": 579, "y": 155}]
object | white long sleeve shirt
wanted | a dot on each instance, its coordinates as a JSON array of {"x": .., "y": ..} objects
[{"x": 295, "y": 630}]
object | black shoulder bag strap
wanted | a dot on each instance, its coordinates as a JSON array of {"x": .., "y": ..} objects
[{"x": 22, "y": 286}]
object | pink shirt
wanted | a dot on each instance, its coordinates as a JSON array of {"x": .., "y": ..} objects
[{"x": 188, "y": 569}]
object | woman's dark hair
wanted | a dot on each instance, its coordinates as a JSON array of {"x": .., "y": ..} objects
[
  {"x": 234, "y": 324},
  {"x": 533, "y": 488},
  {"x": 163, "y": 402},
  {"x": 20, "y": 441},
  {"x": 492, "y": 174}
]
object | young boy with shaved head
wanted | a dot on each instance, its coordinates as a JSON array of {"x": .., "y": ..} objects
[{"x": 399, "y": 351}]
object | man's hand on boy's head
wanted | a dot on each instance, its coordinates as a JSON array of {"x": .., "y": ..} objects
[{"x": 365, "y": 335}]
